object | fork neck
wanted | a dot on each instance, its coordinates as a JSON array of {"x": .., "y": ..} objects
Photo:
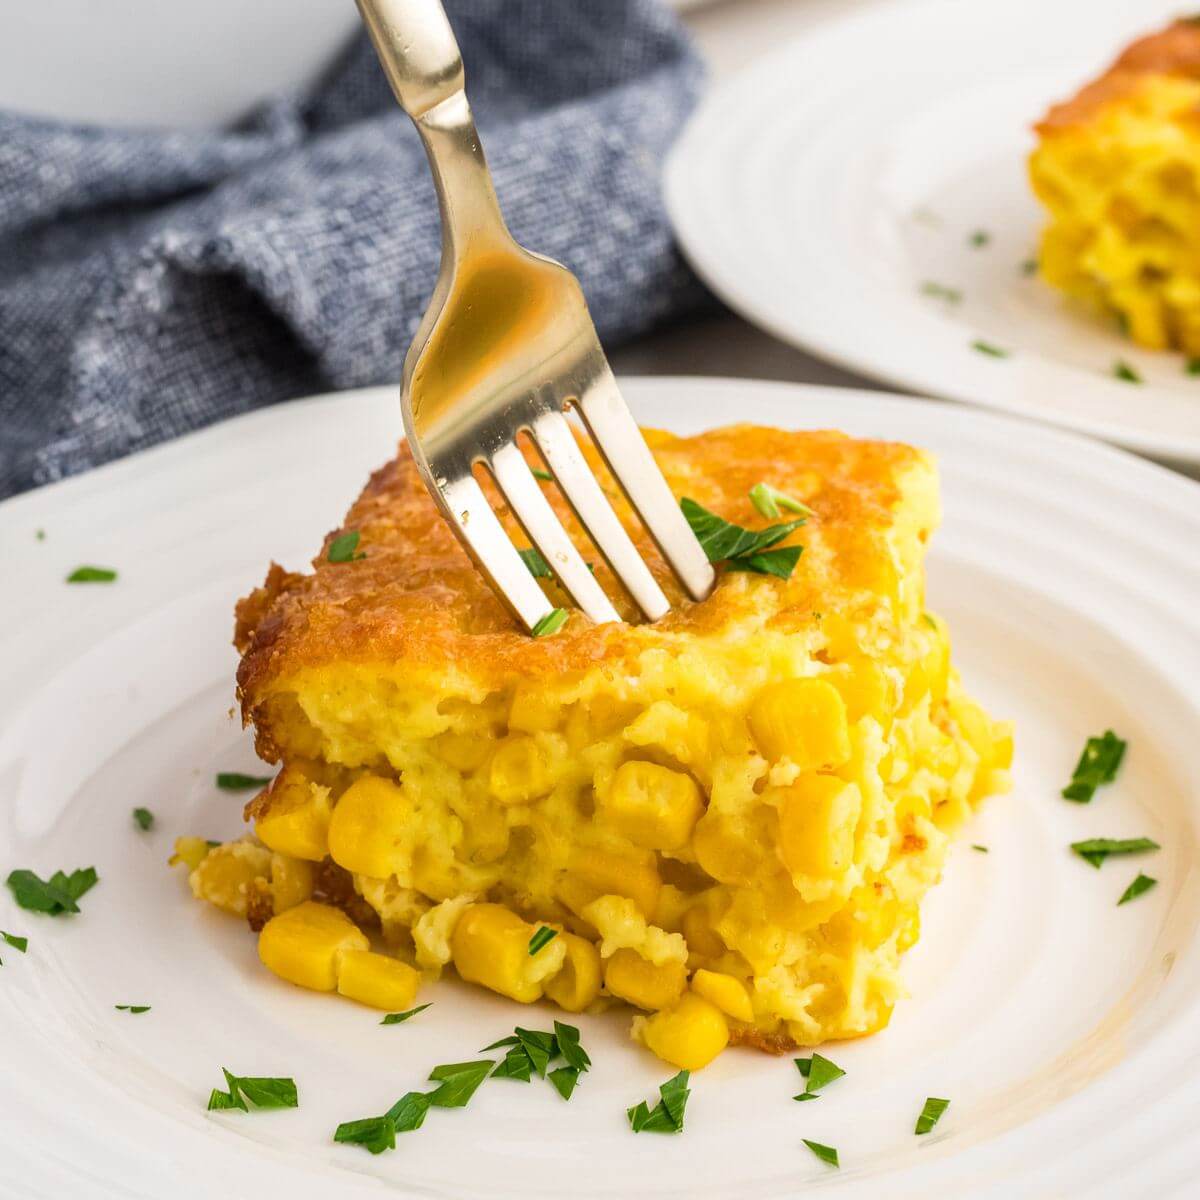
[{"x": 471, "y": 216}]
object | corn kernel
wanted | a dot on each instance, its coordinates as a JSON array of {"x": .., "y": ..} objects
[
  {"x": 803, "y": 720},
  {"x": 225, "y": 876},
  {"x": 490, "y": 946},
  {"x": 191, "y": 851},
  {"x": 699, "y": 924},
  {"x": 295, "y": 818},
  {"x": 377, "y": 980},
  {"x": 532, "y": 712},
  {"x": 292, "y": 882},
  {"x": 370, "y": 827},
  {"x": 628, "y": 975},
  {"x": 733, "y": 848},
  {"x": 689, "y": 1035},
  {"x": 578, "y": 983},
  {"x": 864, "y": 687},
  {"x": 518, "y": 771},
  {"x": 817, "y": 819},
  {"x": 652, "y": 806},
  {"x": 726, "y": 992},
  {"x": 303, "y": 944},
  {"x": 463, "y": 751},
  {"x": 615, "y": 875}
]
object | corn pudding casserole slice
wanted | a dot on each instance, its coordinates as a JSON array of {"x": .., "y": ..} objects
[
  {"x": 1118, "y": 168},
  {"x": 725, "y": 820}
]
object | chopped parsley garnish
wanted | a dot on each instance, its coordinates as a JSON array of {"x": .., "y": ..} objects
[
  {"x": 342, "y": 548},
  {"x": 931, "y": 1114},
  {"x": 979, "y": 238},
  {"x": 743, "y": 549},
  {"x": 1029, "y": 266},
  {"x": 143, "y": 818},
  {"x": 770, "y": 501},
  {"x": 538, "y": 473},
  {"x": 827, "y": 1154},
  {"x": 939, "y": 291},
  {"x": 552, "y": 622},
  {"x": 1193, "y": 366},
  {"x": 377, "y": 1134},
  {"x": 58, "y": 894},
  {"x": 530, "y": 1050},
  {"x": 1143, "y": 883},
  {"x": 1096, "y": 850},
  {"x": 409, "y": 1111},
  {"x": 17, "y": 943},
  {"x": 1098, "y": 764},
  {"x": 817, "y": 1071},
  {"x": 539, "y": 568},
  {"x": 132, "y": 1008},
  {"x": 564, "y": 1080},
  {"x": 1126, "y": 373},
  {"x": 459, "y": 1081},
  {"x": 667, "y": 1115},
  {"x": 396, "y": 1018},
  {"x": 977, "y": 846},
  {"x": 234, "y": 781},
  {"x": 40, "y": 535},
  {"x": 989, "y": 348},
  {"x": 544, "y": 936},
  {"x": 92, "y": 575},
  {"x": 262, "y": 1092}
]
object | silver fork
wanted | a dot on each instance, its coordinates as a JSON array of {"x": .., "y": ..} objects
[{"x": 507, "y": 347}]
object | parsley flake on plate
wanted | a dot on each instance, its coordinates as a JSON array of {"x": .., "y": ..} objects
[
  {"x": 817, "y": 1071},
  {"x": 931, "y": 1114},
  {"x": 377, "y": 1134},
  {"x": 1143, "y": 883},
  {"x": 667, "y": 1115},
  {"x": 990, "y": 349},
  {"x": 58, "y": 894},
  {"x": 939, "y": 291},
  {"x": 543, "y": 937},
  {"x": 545, "y": 476},
  {"x": 552, "y": 622},
  {"x": 92, "y": 575},
  {"x": 981, "y": 849},
  {"x": 1192, "y": 367},
  {"x": 17, "y": 943},
  {"x": 1125, "y": 372},
  {"x": 827, "y": 1154},
  {"x": 1096, "y": 850},
  {"x": 397, "y": 1018},
  {"x": 342, "y": 548},
  {"x": 1098, "y": 764},
  {"x": 235, "y": 781},
  {"x": 132, "y": 1008},
  {"x": 459, "y": 1081},
  {"x": 143, "y": 818},
  {"x": 979, "y": 238},
  {"x": 260, "y": 1091}
]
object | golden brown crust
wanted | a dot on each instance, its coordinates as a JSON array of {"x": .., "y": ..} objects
[
  {"x": 415, "y": 599},
  {"x": 1171, "y": 51},
  {"x": 768, "y": 1043}
]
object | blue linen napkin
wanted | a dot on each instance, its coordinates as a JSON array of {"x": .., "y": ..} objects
[{"x": 154, "y": 282}]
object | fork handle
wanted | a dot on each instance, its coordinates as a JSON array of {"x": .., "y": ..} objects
[{"x": 421, "y": 59}]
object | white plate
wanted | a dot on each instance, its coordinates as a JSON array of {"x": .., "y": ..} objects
[
  {"x": 818, "y": 190},
  {"x": 1065, "y": 1031}
]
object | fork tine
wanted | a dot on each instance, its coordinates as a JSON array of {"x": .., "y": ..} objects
[
  {"x": 545, "y": 530},
  {"x": 467, "y": 509},
  {"x": 574, "y": 476},
  {"x": 615, "y": 432}
]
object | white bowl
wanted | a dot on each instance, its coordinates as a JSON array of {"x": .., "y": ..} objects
[{"x": 165, "y": 63}]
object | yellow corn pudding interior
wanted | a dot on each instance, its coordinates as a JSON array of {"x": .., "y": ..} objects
[
  {"x": 728, "y": 818},
  {"x": 1118, "y": 168}
]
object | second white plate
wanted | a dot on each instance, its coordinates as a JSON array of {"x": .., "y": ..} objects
[{"x": 820, "y": 190}]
